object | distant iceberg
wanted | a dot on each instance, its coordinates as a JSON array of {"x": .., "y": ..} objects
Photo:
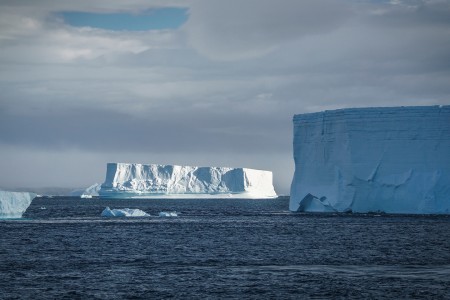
[
  {"x": 392, "y": 159},
  {"x": 124, "y": 212},
  {"x": 88, "y": 192},
  {"x": 91, "y": 191},
  {"x": 14, "y": 204},
  {"x": 125, "y": 180}
]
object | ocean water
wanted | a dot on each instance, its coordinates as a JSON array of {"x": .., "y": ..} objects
[{"x": 232, "y": 249}]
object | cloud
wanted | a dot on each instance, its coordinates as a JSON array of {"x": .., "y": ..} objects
[
  {"x": 229, "y": 30},
  {"x": 417, "y": 13},
  {"x": 33, "y": 40}
]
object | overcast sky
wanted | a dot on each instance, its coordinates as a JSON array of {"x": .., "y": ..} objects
[{"x": 209, "y": 83}]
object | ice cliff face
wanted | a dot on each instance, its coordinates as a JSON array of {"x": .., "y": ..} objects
[
  {"x": 14, "y": 204},
  {"x": 138, "y": 180},
  {"x": 395, "y": 160}
]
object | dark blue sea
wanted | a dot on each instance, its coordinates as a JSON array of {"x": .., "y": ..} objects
[{"x": 230, "y": 249}]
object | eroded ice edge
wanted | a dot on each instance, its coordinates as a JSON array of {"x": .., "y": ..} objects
[
  {"x": 14, "y": 204},
  {"x": 393, "y": 160},
  {"x": 125, "y": 180}
]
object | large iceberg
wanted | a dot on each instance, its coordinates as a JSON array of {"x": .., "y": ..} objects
[
  {"x": 125, "y": 180},
  {"x": 14, "y": 204},
  {"x": 392, "y": 159}
]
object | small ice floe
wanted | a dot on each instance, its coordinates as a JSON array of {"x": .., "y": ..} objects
[
  {"x": 124, "y": 212},
  {"x": 168, "y": 214},
  {"x": 43, "y": 207},
  {"x": 84, "y": 196}
]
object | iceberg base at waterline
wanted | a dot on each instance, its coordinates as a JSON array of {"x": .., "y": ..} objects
[{"x": 14, "y": 204}]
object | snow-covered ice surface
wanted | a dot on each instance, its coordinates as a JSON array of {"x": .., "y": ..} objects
[
  {"x": 14, "y": 204},
  {"x": 392, "y": 159},
  {"x": 125, "y": 180},
  {"x": 124, "y": 212}
]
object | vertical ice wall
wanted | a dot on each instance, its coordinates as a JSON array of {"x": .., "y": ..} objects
[
  {"x": 393, "y": 159},
  {"x": 14, "y": 204}
]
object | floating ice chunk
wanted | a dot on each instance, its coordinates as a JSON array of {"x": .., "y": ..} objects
[
  {"x": 125, "y": 180},
  {"x": 168, "y": 214},
  {"x": 391, "y": 159},
  {"x": 14, "y": 204},
  {"x": 124, "y": 212},
  {"x": 86, "y": 196}
]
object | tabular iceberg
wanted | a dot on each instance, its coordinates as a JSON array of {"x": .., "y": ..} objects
[
  {"x": 392, "y": 159},
  {"x": 14, "y": 204},
  {"x": 125, "y": 180}
]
